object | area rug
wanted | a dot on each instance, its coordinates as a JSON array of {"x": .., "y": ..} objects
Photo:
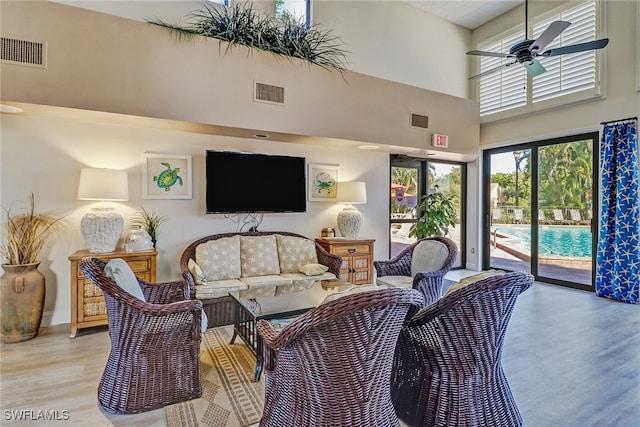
[{"x": 230, "y": 397}]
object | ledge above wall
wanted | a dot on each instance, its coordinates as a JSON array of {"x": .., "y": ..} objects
[{"x": 138, "y": 72}]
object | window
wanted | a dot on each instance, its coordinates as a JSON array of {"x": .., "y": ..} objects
[
  {"x": 568, "y": 78},
  {"x": 293, "y": 10}
]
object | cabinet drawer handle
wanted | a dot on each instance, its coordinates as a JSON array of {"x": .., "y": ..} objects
[{"x": 351, "y": 250}]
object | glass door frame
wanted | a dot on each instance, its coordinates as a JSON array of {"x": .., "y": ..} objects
[
  {"x": 533, "y": 158},
  {"x": 422, "y": 165}
]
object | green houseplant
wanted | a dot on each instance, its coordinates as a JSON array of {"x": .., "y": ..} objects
[
  {"x": 150, "y": 221},
  {"x": 437, "y": 213},
  {"x": 22, "y": 286}
]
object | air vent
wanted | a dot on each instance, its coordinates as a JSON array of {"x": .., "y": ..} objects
[
  {"x": 269, "y": 93},
  {"x": 419, "y": 121},
  {"x": 23, "y": 52}
]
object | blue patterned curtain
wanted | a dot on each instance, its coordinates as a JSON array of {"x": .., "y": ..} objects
[{"x": 618, "y": 257}]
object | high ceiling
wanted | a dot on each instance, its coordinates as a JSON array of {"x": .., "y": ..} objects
[{"x": 466, "y": 13}]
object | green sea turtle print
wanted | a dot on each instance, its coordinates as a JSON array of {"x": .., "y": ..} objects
[{"x": 168, "y": 177}]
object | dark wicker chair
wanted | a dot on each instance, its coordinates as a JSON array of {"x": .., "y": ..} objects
[
  {"x": 427, "y": 282},
  {"x": 332, "y": 365},
  {"x": 447, "y": 368},
  {"x": 155, "y": 345},
  {"x": 220, "y": 311}
]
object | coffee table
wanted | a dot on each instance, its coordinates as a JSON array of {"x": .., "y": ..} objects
[{"x": 280, "y": 310}]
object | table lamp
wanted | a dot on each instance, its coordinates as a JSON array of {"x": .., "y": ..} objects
[
  {"x": 102, "y": 226},
  {"x": 350, "y": 218}
]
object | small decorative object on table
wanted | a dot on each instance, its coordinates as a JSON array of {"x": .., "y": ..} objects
[
  {"x": 150, "y": 221},
  {"x": 138, "y": 240}
]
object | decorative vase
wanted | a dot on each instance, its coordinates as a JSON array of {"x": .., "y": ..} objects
[{"x": 22, "y": 292}]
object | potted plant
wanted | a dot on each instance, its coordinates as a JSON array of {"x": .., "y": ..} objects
[
  {"x": 150, "y": 221},
  {"x": 437, "y": 214},
  {"x": 22, "y": 286}
]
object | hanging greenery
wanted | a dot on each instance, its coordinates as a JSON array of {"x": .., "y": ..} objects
[{"x": 241, "y": 24}]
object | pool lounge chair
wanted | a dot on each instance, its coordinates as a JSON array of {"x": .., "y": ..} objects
[
  {"x": 518, "y": 215},
  {"x": 558, "y": 217},
  {"x": 575, "y": 216},
  {"x": 497, "y": 215},
  {"x": 542, "y": 218}
]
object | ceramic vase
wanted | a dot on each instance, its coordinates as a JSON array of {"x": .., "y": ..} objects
[{"x": 22, "y": 292}]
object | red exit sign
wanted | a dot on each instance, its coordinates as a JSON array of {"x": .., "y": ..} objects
[{"x": 439, "y": 140}]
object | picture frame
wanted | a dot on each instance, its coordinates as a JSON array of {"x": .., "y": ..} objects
[
  {"x": 166, "y": 176},
  {"x": 322, "y": 182}
]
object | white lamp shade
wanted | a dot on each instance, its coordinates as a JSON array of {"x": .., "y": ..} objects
[
  {"x": 352, "y": 192},
  {"x": 103, "y": 184}
]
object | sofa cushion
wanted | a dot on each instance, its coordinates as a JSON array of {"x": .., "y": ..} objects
[
  {"x": 219, "y": 288},
  {"x": 196, "y": 272},
  {"x": 473, "y": 279},
  {"x": 119, "y": 271},
  {"x": 259, "y": 256},
  {"x": 395, "y": 281},
  {"x": 220, "y": 258},
  {"x": 429, "y": 255},
  {"x": 294, "y": 252},
  {"x": 351, "y": 291}
]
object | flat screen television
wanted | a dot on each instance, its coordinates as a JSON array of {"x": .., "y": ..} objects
[{"x": 249, "y": 182}]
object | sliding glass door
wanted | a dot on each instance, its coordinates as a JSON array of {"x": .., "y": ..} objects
[
  {"x": 411, "y": 179},
  {"x": 539, "y": 209}
]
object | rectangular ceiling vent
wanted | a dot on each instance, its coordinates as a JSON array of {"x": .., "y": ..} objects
[
  {"x": 419, "y": 121},
  {"x": 269, "y": 93},
  {"x": 23, "y": 52}
]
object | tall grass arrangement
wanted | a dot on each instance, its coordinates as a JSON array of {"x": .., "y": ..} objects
[
  {"x": 150, "y": 221},
  {"x": 241, "y": 24},
  {"x": 25, "y": 235}
]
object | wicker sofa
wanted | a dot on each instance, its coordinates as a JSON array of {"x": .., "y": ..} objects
[{"x": 251, "y": 265}]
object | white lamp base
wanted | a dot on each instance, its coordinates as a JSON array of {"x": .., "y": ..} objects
[
  {"x": 101, "y": 229},
  {"x": 349, "y": 222}
]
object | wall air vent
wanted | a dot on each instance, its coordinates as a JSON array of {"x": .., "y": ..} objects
[
  {"x": 268, "y": 93},
  {"x": 23, "y": 52},
  {"x": 419, "y": 121}
]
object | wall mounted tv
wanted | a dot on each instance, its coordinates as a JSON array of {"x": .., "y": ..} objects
[{"x": 249, "y": 182}]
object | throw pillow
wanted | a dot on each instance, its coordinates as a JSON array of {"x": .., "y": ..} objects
[
  {"x": 259, "y": 255},
  {"x": 313, "y": 269},
  {"x": 119, "y": 271},
  {"x": 472, "y": 279},
  {"x": 196, "y": 272},
  {"x": 429, "y": 255},
  {"x": 294, "y": 252},
  {"x": 220, "y": 258}
]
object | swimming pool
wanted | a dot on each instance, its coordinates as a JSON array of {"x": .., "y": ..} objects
[{"x": 574, "y": 241}]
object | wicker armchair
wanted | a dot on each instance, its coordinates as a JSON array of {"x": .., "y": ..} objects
[
  {"x": 406, "y": 269},
  {"x": 155, "y": 345},
  {"x": 447, "y": 368},
  {"x": 332, "y": 365}
]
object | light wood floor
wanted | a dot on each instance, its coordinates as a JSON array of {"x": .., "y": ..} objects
[{"x": 572, "y": 359}]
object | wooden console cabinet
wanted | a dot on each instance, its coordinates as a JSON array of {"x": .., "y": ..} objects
[
  {"x": 357, "y": 258},
  {"x": 88, "y": 307}
]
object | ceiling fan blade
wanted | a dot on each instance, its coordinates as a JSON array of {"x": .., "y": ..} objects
[
  {"x": 483, "y": 53},
  {"x": 575, "y": 48},
  {"x": 535, "y": 68},
  {"x": 484, "y": 73},
  {"x": 548, "y": 35}
]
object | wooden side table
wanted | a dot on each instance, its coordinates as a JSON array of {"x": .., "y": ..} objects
[
  {"x": 88, "y": 308},
  {"x": 357, "y": 258}
]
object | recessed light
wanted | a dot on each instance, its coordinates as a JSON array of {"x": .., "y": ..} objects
[
  {"x": 369, "y": 147},
  {"x": 261, "y": 135},
  {"x": 4, "y": 108}
]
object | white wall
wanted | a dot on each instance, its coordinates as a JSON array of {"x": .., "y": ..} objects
[
  {"x": 44, "y": 156},
  {"x": 394, "y": 41}
]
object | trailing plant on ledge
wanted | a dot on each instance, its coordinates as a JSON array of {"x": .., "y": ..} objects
[{"x": 241, "y": 24}]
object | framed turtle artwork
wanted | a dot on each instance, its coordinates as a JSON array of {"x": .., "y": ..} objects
[
  {"x": 323, "y": 182},
  {"x": 166, "y": 176}
]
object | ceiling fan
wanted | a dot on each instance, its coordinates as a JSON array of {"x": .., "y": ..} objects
[{"x": 526, "y": 52}]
